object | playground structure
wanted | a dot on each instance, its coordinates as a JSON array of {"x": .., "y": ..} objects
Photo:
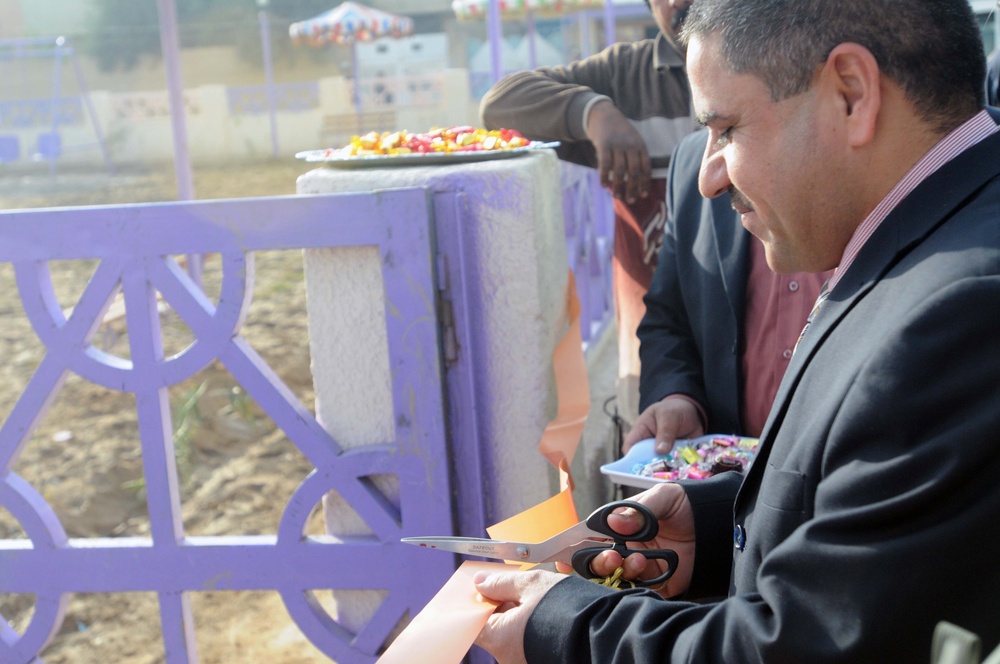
[{"x": 23, "y": 118}]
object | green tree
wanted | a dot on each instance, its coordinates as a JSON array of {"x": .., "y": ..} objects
[
  {"x": 120, "y": 32},
  {"x": 297, "y": 10}
]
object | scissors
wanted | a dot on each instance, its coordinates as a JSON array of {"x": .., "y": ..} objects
[{"x": 576, "y": 545}]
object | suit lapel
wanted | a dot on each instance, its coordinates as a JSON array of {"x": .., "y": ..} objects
[{"x": 926, "y": 208}]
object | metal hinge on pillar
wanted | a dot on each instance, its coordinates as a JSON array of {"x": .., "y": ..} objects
[{"x": 446, "y": 313}]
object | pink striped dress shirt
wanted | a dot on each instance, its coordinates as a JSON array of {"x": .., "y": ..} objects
[{"x": 965, "y": 136}]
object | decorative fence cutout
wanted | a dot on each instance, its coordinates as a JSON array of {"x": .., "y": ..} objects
[{"x": 134, "y": 246}]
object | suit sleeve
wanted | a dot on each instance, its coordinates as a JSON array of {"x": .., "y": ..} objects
[
  {"x": 901, "y": 533},
  {"x": 599, "y": 617}
]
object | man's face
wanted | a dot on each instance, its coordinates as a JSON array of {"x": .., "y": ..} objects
[
  {"x": 780, "y": 161},
  {"x": 670, "y": 14}
]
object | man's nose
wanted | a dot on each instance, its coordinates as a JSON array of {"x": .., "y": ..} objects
[{"x": 713, "y": 178}]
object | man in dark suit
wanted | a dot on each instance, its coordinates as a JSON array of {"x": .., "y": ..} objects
[{"x": 850, "y": 135}]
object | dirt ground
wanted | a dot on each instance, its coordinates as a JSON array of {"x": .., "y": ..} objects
[{"x": 237, "y": 469}]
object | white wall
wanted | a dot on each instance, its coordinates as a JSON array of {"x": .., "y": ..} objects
[{"x": 137, "y": 126}]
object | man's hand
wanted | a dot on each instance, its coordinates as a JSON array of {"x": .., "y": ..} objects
[
  {"x": 676, "y": 531},
  {"x": 666, "y": 420},
  {"x": 622, "y": 158},
  {"x": 519, "y": 593}
]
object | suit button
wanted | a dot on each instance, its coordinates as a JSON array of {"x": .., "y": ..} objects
[{"x": 739, "y": 537}]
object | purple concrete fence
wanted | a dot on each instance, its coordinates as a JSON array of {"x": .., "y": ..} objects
[
  {"x": 590, "y": 234},
  {"x": 134, "y": 246}
]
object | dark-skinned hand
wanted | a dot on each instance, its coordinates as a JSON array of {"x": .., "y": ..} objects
[{"x": 622, "y": 158}]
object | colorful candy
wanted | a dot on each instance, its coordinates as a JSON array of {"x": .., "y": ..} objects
[
  {"x": 700, "y": 458},
  {"x": 448, "y": 139}
]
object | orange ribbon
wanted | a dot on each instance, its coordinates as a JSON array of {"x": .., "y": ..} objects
[
  {"x": 444, "y": 631},
  {"x": 446, "y": 628}
]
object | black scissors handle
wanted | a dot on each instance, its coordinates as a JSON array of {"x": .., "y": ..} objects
[{"x": 598, "y": 521}]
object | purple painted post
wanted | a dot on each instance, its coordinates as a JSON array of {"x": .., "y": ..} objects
[
  {"x": 589, "y": 240},
  {"x": 609, "y": 23},
  {"x": 170, "y": 46},
  {"x": 265, "y": 41},
  {"x": 494, "y": 30},
  {"x": 175, "y": 87},
  {"x": 56, "y": 81}
]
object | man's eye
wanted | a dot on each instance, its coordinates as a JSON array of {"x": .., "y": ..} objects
[{"x": 724, "y": 137}]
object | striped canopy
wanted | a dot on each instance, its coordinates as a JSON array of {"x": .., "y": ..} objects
[
  {"x": 348, "y": 23},
  {"x": 477, "y": 9}
]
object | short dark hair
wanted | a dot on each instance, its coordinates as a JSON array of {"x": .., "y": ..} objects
[{"x": 932, "y": 49}]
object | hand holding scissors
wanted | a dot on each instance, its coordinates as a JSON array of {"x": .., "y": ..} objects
[{"x": 577, "y": 545}]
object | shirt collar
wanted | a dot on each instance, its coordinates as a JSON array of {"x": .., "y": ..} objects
[
  {"x": 667, "y": 53},
  {"x": 965, "y": 136}
]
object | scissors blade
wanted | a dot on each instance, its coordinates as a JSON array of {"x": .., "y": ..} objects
[
  {"x": 560, "y": 547},
  {"x": 564, "y": 554},
  {"x": 475, "y": 546}
]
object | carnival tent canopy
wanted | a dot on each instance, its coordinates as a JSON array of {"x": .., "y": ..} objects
[
  {"x": 349, "y": 23},
  {"x": 477, "y": 9}
]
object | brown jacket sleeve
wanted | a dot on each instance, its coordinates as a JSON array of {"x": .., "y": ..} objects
[{"x": 548, "y": 103}]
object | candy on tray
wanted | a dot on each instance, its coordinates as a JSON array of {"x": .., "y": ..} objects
[
  {"x": 447, "y": 139},
  {"x": 700, "y": 458}
]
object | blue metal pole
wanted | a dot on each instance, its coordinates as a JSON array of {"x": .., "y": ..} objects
[
  {"x": 265, "y": 40},
  {"x": 169, "y": 44},
  {"x": 54, "y": 145},
  {"x": 609, "y": 22},
  {"x": 494, "y": 30}
]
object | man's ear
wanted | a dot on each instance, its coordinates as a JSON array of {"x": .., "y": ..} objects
[{"x": 856, "y": 78}]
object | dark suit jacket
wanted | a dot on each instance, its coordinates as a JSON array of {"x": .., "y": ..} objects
[
  {"x": 689, "y": 338},
  {"x": 870, "y": 511}
]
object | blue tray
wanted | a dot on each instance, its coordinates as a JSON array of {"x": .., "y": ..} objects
[{"x": 620, "y": 471}]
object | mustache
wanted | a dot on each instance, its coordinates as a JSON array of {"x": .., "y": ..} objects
[{"x": 738, "y": 200}]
